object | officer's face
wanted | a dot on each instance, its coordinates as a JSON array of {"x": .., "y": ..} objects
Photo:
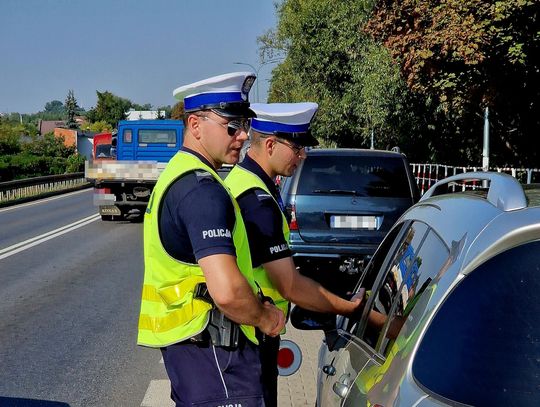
[
  {"x": 222, "y": 138},
  {"x": 289, "y": 156}
]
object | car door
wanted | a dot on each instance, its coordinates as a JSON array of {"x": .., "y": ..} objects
[
  {"x": 359, "y": 365},
  {"x": 343, "y": 358}
]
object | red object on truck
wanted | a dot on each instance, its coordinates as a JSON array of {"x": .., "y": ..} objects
[{"x": 102, "y": 146}]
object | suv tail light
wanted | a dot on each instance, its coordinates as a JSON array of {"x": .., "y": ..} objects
[{"x": 293, "y": 225}]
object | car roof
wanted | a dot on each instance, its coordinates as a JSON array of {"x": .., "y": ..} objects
[
  {"x": 352, "y": 152},
  {"x": 483, "y": 226}
]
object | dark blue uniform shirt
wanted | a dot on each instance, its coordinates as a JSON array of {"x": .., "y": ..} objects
[
  {"x": 263, "y": 218},
  {"x": 196, "y": 217}
]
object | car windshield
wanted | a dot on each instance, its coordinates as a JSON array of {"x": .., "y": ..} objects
[
  {"x": 103, "y": 150},
  {"x": 354, "y": 175}
]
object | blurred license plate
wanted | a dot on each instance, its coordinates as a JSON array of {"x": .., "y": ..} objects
[{"x": 353, "y": 222}]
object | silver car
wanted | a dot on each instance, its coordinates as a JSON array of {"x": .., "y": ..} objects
[{"x": 452, "y": 311}]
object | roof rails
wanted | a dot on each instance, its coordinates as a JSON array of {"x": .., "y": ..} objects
[{"x": 504, "y": 192}]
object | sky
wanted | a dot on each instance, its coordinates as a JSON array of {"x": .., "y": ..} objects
[{"x": 137, "y": 49}]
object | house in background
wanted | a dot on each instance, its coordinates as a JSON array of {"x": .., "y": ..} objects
[
  {"x": 83, "y": 141},
  {"x": 48, "y": 126}
]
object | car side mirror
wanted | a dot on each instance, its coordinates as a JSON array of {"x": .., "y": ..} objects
[{"x": 311, "y": 320}]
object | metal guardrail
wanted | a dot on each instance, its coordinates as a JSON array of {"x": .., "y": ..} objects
[
  {"x": 31, "y": 187},
  {"x": 427, "y": 175}
]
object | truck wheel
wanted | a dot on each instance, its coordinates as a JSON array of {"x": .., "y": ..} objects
[{"x": 107, "y": 218}]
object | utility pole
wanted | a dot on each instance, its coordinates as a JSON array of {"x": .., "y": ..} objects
[{"x": 485, "y": 150}]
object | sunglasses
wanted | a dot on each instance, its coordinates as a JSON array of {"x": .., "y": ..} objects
[
  {"x": 232, "y": 126},
  {"x": 297, "y": 150}
]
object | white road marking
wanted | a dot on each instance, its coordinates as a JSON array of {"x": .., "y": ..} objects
[
  {"x": 10, "y": 208},
  {"x": 158, "y": 394},
  {"x": 34, "y": 241}
]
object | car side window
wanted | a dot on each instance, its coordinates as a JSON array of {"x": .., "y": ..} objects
[
  {"x": 482, "y": 347},
  {"x": 422, "y": 268},
  {"x": 369, "y": 274},
  {"x": 127, "y": 136},
  {"x": 386, "y": 290}
]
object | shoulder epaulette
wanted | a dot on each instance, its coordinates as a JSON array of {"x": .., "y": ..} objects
[
  {"x": 261, "y": 194},
  {"x": 203, "y": 176}
]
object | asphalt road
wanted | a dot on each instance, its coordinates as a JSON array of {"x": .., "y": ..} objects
[
  {"x": 69, "y": 301},
  {"x": 70, "y": 287}
]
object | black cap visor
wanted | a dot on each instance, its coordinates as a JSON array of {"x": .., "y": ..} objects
[
  {"x": 236, "y": 110},
  {"x": 304, "y": 139}
]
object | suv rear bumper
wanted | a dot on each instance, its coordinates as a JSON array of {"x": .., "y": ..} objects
[{"x": 300, "y": 248}]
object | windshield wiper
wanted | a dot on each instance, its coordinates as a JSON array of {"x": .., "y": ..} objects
[{"x": 335, "y": 191}]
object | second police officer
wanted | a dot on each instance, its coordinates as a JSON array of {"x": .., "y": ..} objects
[
  {"x": 279, "y": 135},
  {"x": 198, "y": 302}
]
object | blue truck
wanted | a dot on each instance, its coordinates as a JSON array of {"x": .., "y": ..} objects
[{"x": 140, "y": 150}]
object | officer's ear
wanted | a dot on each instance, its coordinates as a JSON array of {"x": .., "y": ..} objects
[
  {"x": 193, "y": 125},
  {"x": 270, "y": 144}
]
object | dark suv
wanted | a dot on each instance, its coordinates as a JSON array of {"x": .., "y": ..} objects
[{"x": 341, "y": 203}]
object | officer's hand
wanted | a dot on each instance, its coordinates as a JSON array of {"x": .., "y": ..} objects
[
  {"x": 273, "y": 320},
  {"x": 358, "y": 303}
]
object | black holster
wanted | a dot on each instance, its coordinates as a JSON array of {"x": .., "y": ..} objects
[{"x": 222, "y": 331}]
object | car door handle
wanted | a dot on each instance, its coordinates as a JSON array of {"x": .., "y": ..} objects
[
  {"x": 329, "y": 370},
  {"x": 341, "y": 387}
]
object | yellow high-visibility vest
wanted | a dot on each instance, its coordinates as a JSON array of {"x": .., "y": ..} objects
[
  {"x": 239, "y": 181},
  {"x": 169, "y": 313}
]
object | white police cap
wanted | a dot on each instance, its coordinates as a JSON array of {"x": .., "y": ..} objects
[
  {"x": 290, "y": 121},
  {"x": 226, "y": 94}
]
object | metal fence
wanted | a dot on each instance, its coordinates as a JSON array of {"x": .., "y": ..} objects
[
  {"x": 30, "y": 187},
  {"x": 428, "y": 174}
]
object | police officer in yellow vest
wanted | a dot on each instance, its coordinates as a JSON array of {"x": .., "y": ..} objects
[
  {"x": 199, "y": 302},
  {"x": 279, "y": 135}
]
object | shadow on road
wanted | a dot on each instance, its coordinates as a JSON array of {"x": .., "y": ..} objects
[{"x": 18, "y": 402}]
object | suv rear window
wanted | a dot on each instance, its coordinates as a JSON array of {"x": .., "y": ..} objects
[
  {"x": 483, "y": 346},
  {"x": 355, "y": 175}
]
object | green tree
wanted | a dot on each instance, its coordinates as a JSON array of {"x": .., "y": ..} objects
[
  {"x": 109, "y": 108},
  {"x": 177, "y": 111},
  {"x": 462, "y": 56},
  {"x": 9, "y": 138},
  {"x": 146, "y": 106},
  {"x": 100, "y": 126},
  {"x": 329, "y": 59},
  {"x": 75, "y": 163},
  {"x": 71, "y": 108},
  {"x": 48, "y": 146},
  {"x": 54, "y": 106},
  {"x": 167, "y": 109}
]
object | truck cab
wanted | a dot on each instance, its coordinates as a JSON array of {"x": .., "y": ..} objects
[
  {"x": 102, "y": 146},
  {"x": 122, "y": 186},
  {"x": 156, "y": 140}
]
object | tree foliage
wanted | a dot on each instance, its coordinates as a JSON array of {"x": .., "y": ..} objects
[
  {"x": 25, "y": 155},
  {"x": 54, "y": 106},
  {"x": 330, "y": 60},
  {"x": 463, "y": 56},
  {"x": 417, "y": 72},
  {"x": 177, "y": 111},
  {"x": 109, "y": 108},
  {"x": 71, "y": 108}
]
